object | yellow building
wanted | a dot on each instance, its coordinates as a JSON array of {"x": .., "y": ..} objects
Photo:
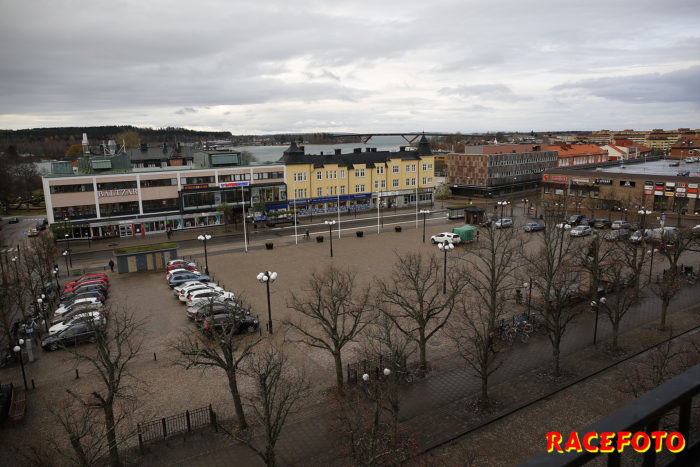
[{"x": 322, "y": 183}]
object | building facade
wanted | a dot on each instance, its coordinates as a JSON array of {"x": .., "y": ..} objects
[{"x": 590, "y": 189}]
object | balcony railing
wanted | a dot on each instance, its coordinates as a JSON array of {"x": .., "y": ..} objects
[{"x": 643, "y": 414}]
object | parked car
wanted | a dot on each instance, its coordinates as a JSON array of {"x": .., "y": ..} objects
[
  {"x": 185, "y": 296},
  {"x": 226, "y": 322},
  {"x": 32, "y": 232},
  {"x": 446, "y": 237},
  {"x": 179, "y": 279},
  {"x": 620, "y": 224},
  {"x": 79, "y": 333},
  {"x": 674, "y": 164},
  {"x": 95, "y": 317},
  {"x": 683, "y": 173},
  {"x": 504, "y": 223},
  {"x": 533, "y": 227},
  {"x": 78, "y": 309},
  {"x": 179, "y": 261},
  {"x": 205, "y": 296},
  {"x": 186, "y": 285},
  {"x": 615, "y": 235},
  {"x": 641, "y": 236},
  {"x": 664, "y": 234},
  {"x": 695, "y": 231},
  {"x": 488, "y": 222},
  {"x": 89, "y": 277},
  {"x": 72, "y": 297},
  {"x": 62, "y": 310},
  {"x": 85, "y": 288},
  {"x": 581, "y": 231},
  {"x": 200, "y": 311},
  {"x": 187, "y": 266},
  {"x": 13, "y": 220},
  {"x": 576, "y": 219},
  {"x": 75, "y": 287},
  {"x": 602, "y": 224},
  {"x": 170, "y": 274}
]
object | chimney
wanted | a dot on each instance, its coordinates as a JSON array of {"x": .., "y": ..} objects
[
  {"x": 357, "y": 150},
  {"x": 368, "y": 149},
  {"x": 402, "y": 148},
  {"x": 337, "y": 152}
]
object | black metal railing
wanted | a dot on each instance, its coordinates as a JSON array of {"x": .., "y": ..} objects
[
  {"x": 185, "y": 422},
  {"x": 642, "y": 415},
  {"x": 373, "y": 366}
]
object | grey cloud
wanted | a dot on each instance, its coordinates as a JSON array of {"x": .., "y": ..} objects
[
  {"x": 189, "y": 110},
  {"x": 478, "y": 90},
  {"x": 672, "y": 87}
]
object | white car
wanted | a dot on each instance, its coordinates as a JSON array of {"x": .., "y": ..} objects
[
  {"x": 207, "y": 296},
  {"x": 581, "y": 231},
  {"x": 95, "y": 316},
  {"x": 504, "y": 223},
  {"x": 189, "y": 285},
  {"x": 443, "y": 237},
  {"x": 181, "y": 261},
  {"x": 62, "y": 310},
  {"x": 184, "y": 296},
  {"x": 173, "y": 272}
]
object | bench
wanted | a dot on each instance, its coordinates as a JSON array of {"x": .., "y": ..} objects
[{"x": 18, "y": 404}]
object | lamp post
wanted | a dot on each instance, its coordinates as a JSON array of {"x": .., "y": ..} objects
[
  {"x": 266, "y": 278},
  {"x": 65, "y": 256},
  {"x": 68, "y": 250},
  {"x": 445, "y": 246},
  {"x": 529, "y": 297},
  {"x": 42, "y": 308},
  {"x": 525, "y": 206},
  {"x": 503, "y": 204},
  {"x": 330, "y": 225},
  {"x": 596, "y": 306},
  {"x": 55, "y": 275},
  {"x": 204, "y": 239},
  {"x": 651, "y": 263},
  {"x": 424, "y": 212},
  {"x": 18, "y": 350}
]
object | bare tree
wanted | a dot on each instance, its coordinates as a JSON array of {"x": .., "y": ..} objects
[
  {"x": 224, "y": 349},
  {"x": 114, "y": 352},
  {"x": 557, "y": 276},
  {"x": 490, "y": 278},
  {"x": 619, "y": 302},
  {"x": 332, "y": 312},
  {"x": 84, "y": 429},
  {"x": 277, "y": 391},
  {"x": 414, "y": 301}
]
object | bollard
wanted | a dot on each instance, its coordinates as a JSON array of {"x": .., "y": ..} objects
[
  {"x": 77, "y": 375},
  {"x": 33, "y": 386},
  {"x": 196, "y": 345},
  {"x": 154, "y": 356}
]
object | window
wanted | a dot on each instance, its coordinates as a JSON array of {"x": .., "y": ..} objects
[
  {"x": 413, "y": 182},
  {"x": 360, "y": 188},
  {"x": 413, "y": 167},
  {"x": 383, "y": 183},
  {"x": 319, "y": 191},
  {"x": 425, "y": 180},
  {"x": 342, "y": 189},
  {"x": 380, "y": 169},
  {"x": 408, "y": 182},
  {"x": 159, "y": 182},
  {"x": 430, "y": 166},
  {"x": 395, "y": 169},
  {"x": 376, "y": 184},
  {"x": 425, "y": 167},
  {"x": 342, "y": 173},
  {"x": 395, "y": 183},
  {"x": 357, "y": 188},
  {"x": 359, "y": 172},
  {"x": 319, "y": 175}
]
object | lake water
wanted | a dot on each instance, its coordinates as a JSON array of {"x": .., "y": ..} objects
[{"x": 267, "y": 154}]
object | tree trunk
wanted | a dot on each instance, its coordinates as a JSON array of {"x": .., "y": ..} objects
[
  {"x": 111, "y": 435},
  {"x": 555, "y": 356},
  {"x": 421, "y": 348},
  {"x": 484, "y": 391},
  {"x": 270, "y": 459},
  {"x": 338, "y": 370},
  {"x": 664, "y": 309},
  {"x": 237, "y": 404},
  {"x": 615, "y": 334}
]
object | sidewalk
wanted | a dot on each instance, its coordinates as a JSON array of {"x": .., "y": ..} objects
[{"x": 436, "y": 409}]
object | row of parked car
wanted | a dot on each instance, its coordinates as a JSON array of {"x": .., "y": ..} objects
[
  {"x": 209, "y": 306},
  {"x": 81, "y": 313}
]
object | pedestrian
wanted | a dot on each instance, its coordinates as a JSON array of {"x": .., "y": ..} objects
[
  {"x": 111, "y": 265},
  {"x": 477, "y": 235}
]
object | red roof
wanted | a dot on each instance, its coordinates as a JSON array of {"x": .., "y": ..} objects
[{"x": 575, "y": 149}]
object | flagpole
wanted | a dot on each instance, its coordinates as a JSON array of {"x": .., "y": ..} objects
[
  {"x": 296, "y": 237},
  {"x": 245, "y": 235}
]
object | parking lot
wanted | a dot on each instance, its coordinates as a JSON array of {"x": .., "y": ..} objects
[{"x": 163, "y": 387}]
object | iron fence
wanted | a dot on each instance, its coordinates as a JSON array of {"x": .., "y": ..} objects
[
  {"x": 166, "y": 427},
  {"x": 373, "y": 366}
]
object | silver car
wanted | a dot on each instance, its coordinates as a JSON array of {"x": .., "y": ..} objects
[{"x": 581, "y": 231}]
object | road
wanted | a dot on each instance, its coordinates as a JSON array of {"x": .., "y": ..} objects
[{"x": 15, "y": 234}]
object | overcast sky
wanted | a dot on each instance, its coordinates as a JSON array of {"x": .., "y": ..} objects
[{"x": 367, "y": 66}]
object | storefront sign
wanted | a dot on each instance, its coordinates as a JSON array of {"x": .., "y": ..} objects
[
  {"x": 693, "y": 185},
  {"x": 603, "y": 181},
  {"x": 195, "y": 187},
  {"x": 117, "y": 192},
  {"x": 680, "y": 195},
  {"x": 233, "y": 184},
  {"x": 580, "y": 180},
  {"x": 558, "y": 178},
  {"x": 680, "y": 190},
  {"x": 648, "y": 192},
  {"x": 627, "y": 183},
  {"x": 670, "y": 184}
]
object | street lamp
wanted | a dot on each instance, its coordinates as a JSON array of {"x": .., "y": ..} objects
[
  {"x": 68, "y": 250},
  {"x": 525, "y": 206},
  {"x": 445, "y": 246},
  {"x": 330, "y": 225},
  {"x": 503, "y": 204},
  {"x": 266, "y": 278},
  {"x": 55, "y": 275},
  {"x": 651, "y": 263},
  {"x": 65, "y": 256},
  {"x": 596, "y": 307},
  {"x": 424, "y": 212},
  {"x": 18, "y": 350},
  {"x": 529, "y": 296},
  {"x": 204, "y": 239}
]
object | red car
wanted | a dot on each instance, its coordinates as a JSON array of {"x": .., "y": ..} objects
[
  {"x": 187, "y": 266},
  {"x": 71, "y": 286},
  {"x": 89, "y": 277}
]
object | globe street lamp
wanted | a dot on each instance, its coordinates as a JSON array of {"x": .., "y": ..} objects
[
  {"x": 204, "y": 239},
  {"x": 55, "y": 275},
  {"x": 65, "y": 256},
  {"x": 445, "y": 247},
  {"x": 330, "y": 225},
  {"x": 68, "y": 250},
  {"x": 266, "y": 278},
  {"x": 41, "y": 301},
  {"x": 529, "y": 297},
  {"x": 18, "y": 350},
  {"x": 424, "y": 212},
  {"x": 503, "y": 204},
  {"x": 596, "y": 307},
  {"x": 651, "y": 263}
]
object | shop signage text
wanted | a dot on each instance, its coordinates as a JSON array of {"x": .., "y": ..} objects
[
  {"x": 117, "y": 192},
  {"x": 233, "y": 184},
  {"x": 195, "y": 187},
  {"x": 603, "y": 181}
]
